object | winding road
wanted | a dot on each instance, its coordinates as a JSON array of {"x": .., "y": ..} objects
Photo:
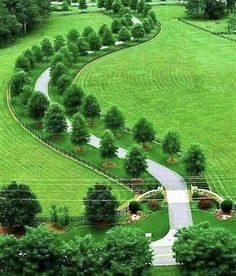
[{"x": 176, "y": 190}]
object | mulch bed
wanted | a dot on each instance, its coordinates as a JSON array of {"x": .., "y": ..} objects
[
  {"x": 9, "y": 231},
  {"x": 55, "y": 227}
]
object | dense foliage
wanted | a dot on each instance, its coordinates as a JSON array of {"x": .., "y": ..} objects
[{"x": 21, "y": 16}]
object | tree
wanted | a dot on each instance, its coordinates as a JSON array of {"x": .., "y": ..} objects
[
  {"x": 127, "y": 251},
  {"x": 134, "y": 207},
  {"x": 60, "y": 215},
  {"x": 206, "y": 250},
  {"x": 146, "y": 26},
  {"x": 147, "y": 8},
  {"x": 18, "y": 81},
  {"x": 124, "y": 34},
  {"x": 30, "y": 56},
  {"x": 100, "y": 3},
  {"x": 65, "y": 6},
  {"x": 73, "y": 98},
  {"x": 195, "y": 160},
  {"x": 114, "y": 119},
  {"x": 57, "y": 71},
  {"x": 19, "y": 206},
  {"x": 59, "y": 42},
  {"x": 143, "y": 131},
  {"x": 108, "y": 149},
  {"x": 227, "y": 206},
  {"x": 125, "y": 3},
  {"x": 94, "y": 41},
  {"x": 55, "y": 120},
  {"x": 133, "y": 4},
  {"x": 140, "y": 6},
  {"x": 116, "y": 26},
  {"x": 230, "y": 5},
  {"x": 26, "y": 93},
  {"x": 135, "y": 163},
  {"x": 23, "y": 63},
  {"x": 108, "y": 4},
  {"x": 171, "y": 144},
  {"x": 38, "y": 54},
  {"x": 79, "y": 133},
  {"x": 137, "y": 31},
  {"x": 38, "y": 104},
  {"x": 68, "y": 58},
  {"x": 214, "y": 9},
  {"x": 116, "y": 6},
  {"x": 83, "y": 5},
  {"x": 153, "y": 16},
  {"x": 82, "y": 46},
  {"x": 232, "y": 24},
  {"x": 100, "y": 204},
  {"x": 72, "y": 36},
  {"x": 107, "y": 38},
  {"x": 196, "y": 8},
  {"x": 102, "y": 29},
  {"x": 47, "y": 47},
  {"x": 91, "y": 108},
  {"x": 87, "y": 31},
  {"x": 63, "y": 83}
]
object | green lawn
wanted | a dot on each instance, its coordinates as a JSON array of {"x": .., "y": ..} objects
[
  {"x": 166, "y": 271},
  {"x": 202, "y": 216},
  {"x": 156, "y": 223},
  {"x": 183, "y": 79},
  {"x": 54, "y": 178}
]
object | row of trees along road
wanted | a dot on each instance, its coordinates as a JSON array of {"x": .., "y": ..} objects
[{"x": 21, "y": 16}]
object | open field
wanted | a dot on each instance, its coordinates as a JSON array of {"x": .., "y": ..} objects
[
  {"x": 183, "y": 79},
  {"x": 54, "y": 178}
]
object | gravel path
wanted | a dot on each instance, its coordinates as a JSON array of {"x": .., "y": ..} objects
[{"x": 177, "y": 194}]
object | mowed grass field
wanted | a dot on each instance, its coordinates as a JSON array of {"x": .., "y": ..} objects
[
  {"x": 54, "y": 178},
  {"x": 184, "y": 79}
]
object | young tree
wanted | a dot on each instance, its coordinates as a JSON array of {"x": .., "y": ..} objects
[
  {"x": 19, "y": 206},
  {"x": 100, "y": 4},
  {"x": 140, "y": 6},
  {"x": 60, "y": 215},
  {"x": 146, "y": 26},
  {"x": 127, "y": 246},
  {"x": 79, "y": 133},
  {"x": 195, "y": 160},
  {"x": 147, "y": 8},
  {"x": 108, "y": 149},
  {"x": 63, "y": 83},
  {"x": 143, "y": 131},
  {"x": 232, "y": 24},
  {"x": 116, "y": 26},
  {"x": 55, "y": 120},
  {"x": 116, "y": 6},
  {"x": 47, "y": 47},
  {"x": 18, "y": 81},
  {"x": 125, "y": 3},
  {"x": 138, "y": 31},
  {"x": 83, "y": 5},
  {"x": 135, "y": 163},
  {"x": 82, "y": 46},
  {"x": 30, "y": 56},
  {"x": 68, "y": 58},
  {"x": 124, "y": 34},
  {"x": 196, "y": 8},
  {"x": 26, "y": 93},
  {"x": 91, "y": 108},
  {"x": 206, "y": 250},
  {"x": 94, "y": 41},
  {"x": 108, "y": 4},
  {"x": 102, "y": 29},
  {"x": 38, "y": 104},
  {"x": 59, "y": 42},
  {"x": 100, "y": 204},
  {"x": 171, "y": 143},
  {"x": 230, "y": 5},
  {"x": 23, "y": 63},
  {"x": 108, "y": 38},
  {"x": 37, "y": 53},
  {"x": 57, "y": 71},
  {"x": 215, "y": 9},
  {"x": 114, "y": 119},
  {"x": 87, "y": 31},
  {"x": 133, "y": 4},
  {"x": 65, "y": 6},
  {"x": 72, "y": 36},
  {"x": 73, "y": 98},
  {"x": 153, "y": 16}
]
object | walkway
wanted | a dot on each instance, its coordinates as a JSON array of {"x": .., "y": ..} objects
[{"x": 177, "y": 194}]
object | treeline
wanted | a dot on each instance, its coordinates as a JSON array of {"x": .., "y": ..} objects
[{"x": 21, "y": 16}]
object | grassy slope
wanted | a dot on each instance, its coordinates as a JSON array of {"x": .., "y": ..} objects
[
  {"x": 183, "y": 79},
  {"x": 53, "y": 178}
]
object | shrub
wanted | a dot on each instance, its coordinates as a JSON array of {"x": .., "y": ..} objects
[
  {"x": 38, "y": 104},
  {"x": 82, "y": 46},
  {"x": 63, "y": 83},
  {"x": 87, "y": 31},
  {"x": 227, "y": 206},
  {"x": 124, "y": 34},
  {"x": 116, "y": 26},
  {"x": 94, "y": 41},
  {"x": 73, "y": 36},
  {"x": 26, "y": 93},
  {"x": 22, "y": 62},
  {"x": 138, "y": 31},
  {"x": 57, "y": 71},
  {"x": 60, "y": 216},
  {"x": 134, "y": 207},
  {"x": 19, "y": 80},
  {"x": 205, "y": 203}
]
